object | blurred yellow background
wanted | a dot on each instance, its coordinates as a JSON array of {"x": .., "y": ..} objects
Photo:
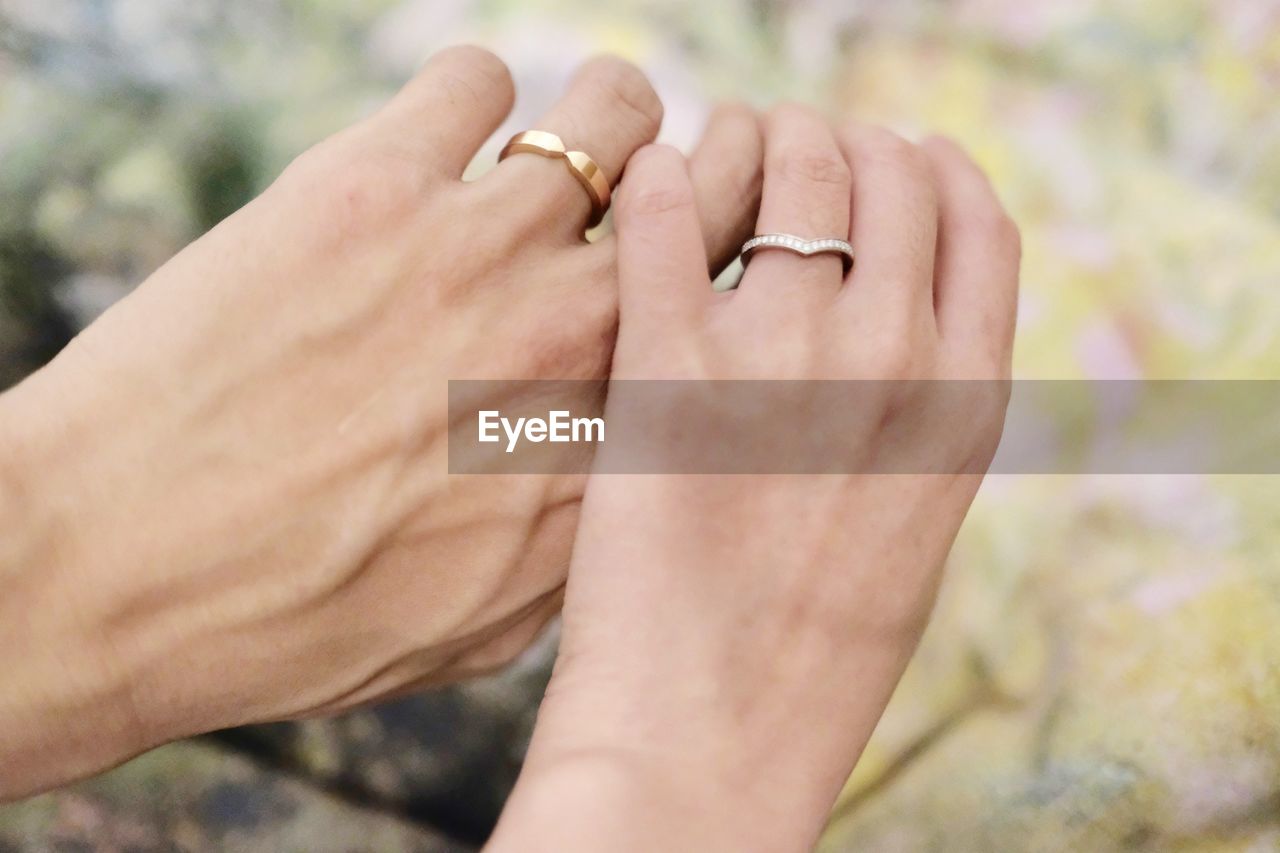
[{"x": 1103, "y": 671}]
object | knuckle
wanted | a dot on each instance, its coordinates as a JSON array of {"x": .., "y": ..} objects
[
  {"x": 935, "y": 140},
  {"x": 946, "y": 148},
  {"x": 460, "y": 89},
  {"x": 476, "y": 65},
  {"x": 997, "y": 229},
  {"x": 884, "y": 148},
  {"x": 353, "y": 197},
  {"x": 794, "y": 114},
  {"x": 737, "y": 112},
  {"x": 893, "y": 357},
  {"x": 467, "y": 77},
  {"x": 813, "y": 166},
  {"x": 624, "y": 85},
  {"x": 886, "y": 144}
]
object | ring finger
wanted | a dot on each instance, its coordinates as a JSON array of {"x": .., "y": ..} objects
[
  {"x": 609, "y": 112},
  {"x": 806, "y": 194}
]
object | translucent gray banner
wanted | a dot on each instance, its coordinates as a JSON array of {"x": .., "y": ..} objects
[{"x": 865, "y": 426}]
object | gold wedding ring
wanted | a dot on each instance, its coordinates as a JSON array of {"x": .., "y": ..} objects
[
  {"x": 584, "y": 170},
  {"x": 533, "y": 142}
]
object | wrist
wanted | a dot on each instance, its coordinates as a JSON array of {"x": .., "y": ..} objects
[
  {"x": 603, "y": 799},
  {"x": 663, "y": 767},
  {"x": 648, "y": 799},
  {"x": 65, "y": 710}
]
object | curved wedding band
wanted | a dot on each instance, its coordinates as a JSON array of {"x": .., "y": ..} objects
[
  {"x": 584, "y": 170},
  {"x": 800, "y": 246}
]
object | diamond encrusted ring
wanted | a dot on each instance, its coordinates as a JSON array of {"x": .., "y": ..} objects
[{"x": 800, "y": 246}]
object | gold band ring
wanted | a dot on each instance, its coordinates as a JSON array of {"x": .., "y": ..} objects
[
  {"x": 533, "y": 142},
  {"x": 584, "y": 170}
]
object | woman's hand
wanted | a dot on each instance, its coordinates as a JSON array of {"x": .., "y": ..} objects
[
  {"x": 233, "y": 488},
  {"x": 729, "y": 642}
]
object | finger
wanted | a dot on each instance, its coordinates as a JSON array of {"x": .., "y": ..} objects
[
  {"x": 895, "y": 224},
  {"x": 448, "y": 110},
  {"x": 979, "y": 250},
  {"x": 609, "y": 112},
  {"x": 806, "y": 194},
  {"x": 727, "y": 169},
  {"x": 662, "y": 265}
]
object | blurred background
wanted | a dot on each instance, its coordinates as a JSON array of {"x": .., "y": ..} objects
[{"x": 1103, "y": 670}]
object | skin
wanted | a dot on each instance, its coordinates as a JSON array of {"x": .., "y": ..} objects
[
  {"x": 227, "y": 501},
  {"x": 233, "y": 503},
  {"x": 729, "y": 642}
]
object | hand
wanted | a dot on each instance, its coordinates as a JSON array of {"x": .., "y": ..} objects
[
  {"x": 236, "y": 480},
  {"x": 729, "y": 642}
]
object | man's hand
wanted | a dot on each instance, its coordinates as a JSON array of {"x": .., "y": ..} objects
[{"x": 240, "y": 471}]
